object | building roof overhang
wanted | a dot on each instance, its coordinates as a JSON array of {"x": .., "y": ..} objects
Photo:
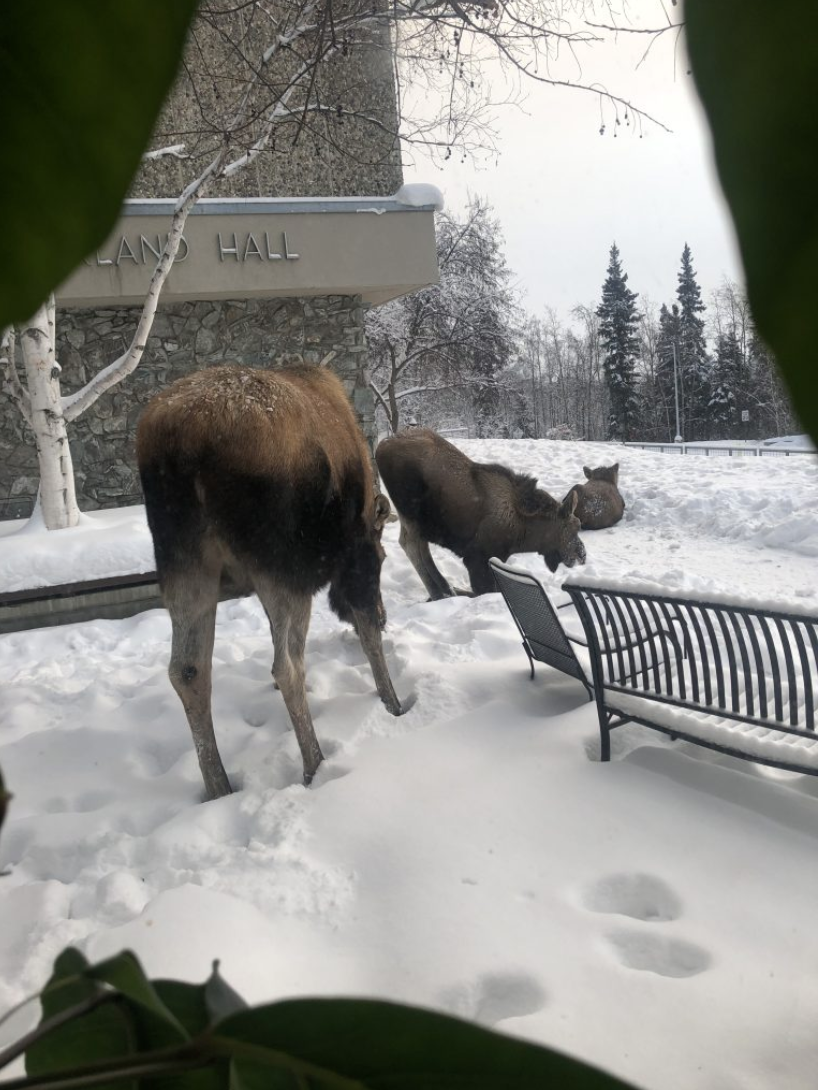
[{"x": 379, "y": 248}]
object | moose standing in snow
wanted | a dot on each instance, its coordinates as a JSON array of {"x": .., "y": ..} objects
[
  {"x": 475, "y": 509},
  {"x": 599, "y": 501},
  {"x": 261, "y": 480}
]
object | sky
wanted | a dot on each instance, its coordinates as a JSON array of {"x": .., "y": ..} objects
[
  {"x": 564, "y": 193},
  {"x": 653, "y": 915}
]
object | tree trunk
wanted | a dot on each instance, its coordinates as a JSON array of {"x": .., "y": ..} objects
[
  {"x": 394, "y": 411},
  {"x": 57, "y": 496}
]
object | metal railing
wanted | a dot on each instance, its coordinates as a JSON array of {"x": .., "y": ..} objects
[{"x": 720, "y": 450}]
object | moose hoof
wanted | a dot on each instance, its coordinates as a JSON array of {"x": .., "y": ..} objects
[
  {"x": 218, "y": 790},
  {"x": 393, "y": 705}
]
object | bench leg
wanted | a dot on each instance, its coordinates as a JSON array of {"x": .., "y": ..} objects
[
  {"x": 604, "y": 738},
  {"x": 530, "y": 660}
]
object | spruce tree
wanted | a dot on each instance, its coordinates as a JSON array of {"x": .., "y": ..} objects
[
  {"x": 694, "y": 363},
  {"x": 726, "y": 387},
  {"x": 670, "y": 386},
  {"x": 618, "y": 329}
]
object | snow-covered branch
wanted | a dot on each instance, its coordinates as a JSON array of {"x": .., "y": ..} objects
[{"x": 174, "y": 151}]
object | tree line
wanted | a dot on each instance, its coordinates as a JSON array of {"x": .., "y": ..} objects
[{"x": 464, "y": 357}]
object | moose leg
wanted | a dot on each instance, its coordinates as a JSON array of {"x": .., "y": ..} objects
[
  {"x": 369, "y": 633},
  {"x": 191, "y": 600},
  {"x": 417, "y": 549},
  {"x": 289, "y": 616},
  {"x": 480, "y": 574}
]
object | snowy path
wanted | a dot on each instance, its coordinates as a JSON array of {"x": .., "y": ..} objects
[{"x": 652, "y": 915}]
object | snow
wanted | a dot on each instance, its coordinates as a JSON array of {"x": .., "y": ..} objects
[
  {"x": 652, "y": 915},
  {"x": 106, "y": 543},
  {"x": 420, "y": 194}
]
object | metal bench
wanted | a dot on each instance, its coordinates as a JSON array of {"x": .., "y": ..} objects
[
  {"x": 544, "y": 638},
  {"x": 730, "y": 677}
]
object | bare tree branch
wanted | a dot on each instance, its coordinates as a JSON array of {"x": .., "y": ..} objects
[{"x": 14, "y": 387}]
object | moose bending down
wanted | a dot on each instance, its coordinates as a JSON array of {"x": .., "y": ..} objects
[
  {"x": 477, "y": 510},
  {"x": 599, "y": 501},
  {"x": 261, "y": 480}
]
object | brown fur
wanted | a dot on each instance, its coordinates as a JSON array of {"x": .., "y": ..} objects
[
  {"x": 599, "y": 501},
  {"x": 477, "y": 510},
  {"x": 261, "y": 419},
  {"x": 261, "y": 480}
]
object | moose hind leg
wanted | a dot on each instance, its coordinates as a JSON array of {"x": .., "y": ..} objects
[
  {"x": 289, "y": 616},
  {"x": 417, "y": 549},
  {"x": 191, "y": 599}
]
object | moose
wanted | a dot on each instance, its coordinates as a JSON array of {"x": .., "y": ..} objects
[
  {"x": 599, "y": 501},
  {"x": 261, "y": 481},
  {"x": 475, "y": 509}
]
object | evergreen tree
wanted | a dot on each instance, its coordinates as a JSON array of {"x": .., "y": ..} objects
[
  {"x": 618, "y": 330},
  {"x": 726, "y": 387},
  {"x": 668, "y": 385},
  {"x": 694, "y": 363}
]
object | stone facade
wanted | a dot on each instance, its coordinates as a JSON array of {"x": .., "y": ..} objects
[
  {"x": 336, "y": 152},
  {"x": 326, "y": 330}
]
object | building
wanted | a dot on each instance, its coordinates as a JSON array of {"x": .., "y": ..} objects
[{"x": 278, "y": 264}]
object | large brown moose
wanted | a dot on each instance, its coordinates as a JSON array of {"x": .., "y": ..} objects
[
  {"x": 261, "y": 480},
  {"x": 475, "y": 509},
  {"x": 599, "y": 501}
]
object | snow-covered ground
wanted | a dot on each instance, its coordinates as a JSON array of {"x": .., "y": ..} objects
[{"x": 654, "y": 915}]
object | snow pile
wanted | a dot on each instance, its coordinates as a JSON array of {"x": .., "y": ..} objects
[
  {"x": 651, "y": 915},
  {"x": 106, "y": 543},
  {"x": 419, "y": 195},
  {"x": 789, "y": 442}
]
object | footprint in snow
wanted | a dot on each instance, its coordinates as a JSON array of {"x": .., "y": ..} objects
[
  {"x": 655, "y": 953},
  {"x": 494, "y": 997},
  {"x": 640, "y": 896}
]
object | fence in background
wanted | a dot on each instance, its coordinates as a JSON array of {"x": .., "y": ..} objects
[{"x": 718, "y": 450}]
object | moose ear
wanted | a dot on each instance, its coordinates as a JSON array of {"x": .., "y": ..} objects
[
  {"x": 588, "y": 472},
  {"x": 615, "y": 472},
  {"x": 568, "y": 505},
  {"x": 382, "y": 510}
]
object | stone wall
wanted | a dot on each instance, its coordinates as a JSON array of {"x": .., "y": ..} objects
[
  {"x": 351, "y": 148},
  {"x": 325, "y": 330}
]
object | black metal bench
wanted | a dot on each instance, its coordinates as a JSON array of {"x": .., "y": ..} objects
[
  {"x": 544, "y": 638},
  {"x": 725, "y": 676}
]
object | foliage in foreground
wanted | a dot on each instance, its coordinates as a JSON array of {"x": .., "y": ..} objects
[
  {"x": 78, "y": 109},
  {"x": 757, "y": 76},
  {"x": 108, "y": 1026}
]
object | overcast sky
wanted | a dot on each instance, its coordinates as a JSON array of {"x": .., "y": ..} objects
[{"x": 563, "y": 193}]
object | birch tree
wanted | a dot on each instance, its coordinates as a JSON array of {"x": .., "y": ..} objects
[{"x": 284, "y": 83}]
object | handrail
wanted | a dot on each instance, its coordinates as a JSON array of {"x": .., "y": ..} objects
[{"x": 720, "y": 449}]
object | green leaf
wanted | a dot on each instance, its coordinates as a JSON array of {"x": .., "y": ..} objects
[
  {"x": 221, "y": 999},
  {"x": 124, "y": 973},
  {"x": 755, "y": 66},
  {"x": 145, "y": 1020},
  {"x": 104, "y": 1033},
  {"x": 83, "y": 83},
  {"x": 344, "y": 1044}
]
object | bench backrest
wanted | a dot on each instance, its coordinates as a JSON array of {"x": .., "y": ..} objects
[
  {"x": 756, "y": 665},
  {"x": 536, "y": 619}
]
